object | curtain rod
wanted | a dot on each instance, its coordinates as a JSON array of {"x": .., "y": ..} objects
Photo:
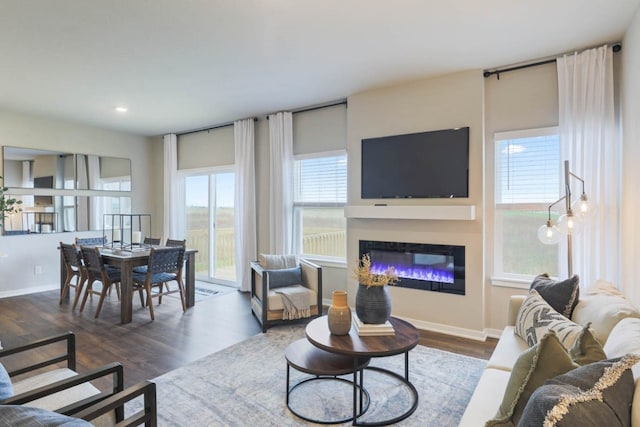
[
  {"x": 616, "y": 48},
  {"x": 317, "y": 107},
  {"x": 222, "y": 125}
]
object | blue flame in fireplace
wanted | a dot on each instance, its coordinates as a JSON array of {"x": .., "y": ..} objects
[{"x": 416, "y": 272}]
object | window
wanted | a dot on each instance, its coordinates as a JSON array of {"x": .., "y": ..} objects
[
  {"x": 527, "y": 181},
  {"x": 320, "y": 194}
]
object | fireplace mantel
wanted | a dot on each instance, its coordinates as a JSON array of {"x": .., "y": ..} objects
[{"x": 431, "y": 212}]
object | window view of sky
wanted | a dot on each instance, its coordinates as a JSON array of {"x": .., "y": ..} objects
[{"x": 197, "y": 190}]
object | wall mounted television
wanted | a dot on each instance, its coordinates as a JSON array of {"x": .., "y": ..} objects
[{"x": 432, "y": 164}]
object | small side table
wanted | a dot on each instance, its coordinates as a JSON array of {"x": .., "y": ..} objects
[{"x": 305, "y": 357}]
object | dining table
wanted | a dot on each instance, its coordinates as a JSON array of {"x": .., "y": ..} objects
[{"x": 126, "y": 260}]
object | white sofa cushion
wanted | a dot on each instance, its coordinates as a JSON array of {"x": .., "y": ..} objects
[
  {"x": 486, "y": 398},
  {"x": 507, "y": 350},
  {"x": 56, "y": 400},
  {"x": 603, "y": 306}
]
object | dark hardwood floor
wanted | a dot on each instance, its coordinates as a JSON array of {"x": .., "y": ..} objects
[{"x": 148, "y": 349}]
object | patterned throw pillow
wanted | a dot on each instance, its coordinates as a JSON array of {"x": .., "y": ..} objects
[
  {"x": 598, "y": 394},
  {"x": 536, "y": 317},
  {"x": 562, "y": 295}
]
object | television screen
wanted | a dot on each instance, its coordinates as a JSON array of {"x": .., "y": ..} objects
[{"x": 431, "y": 164}]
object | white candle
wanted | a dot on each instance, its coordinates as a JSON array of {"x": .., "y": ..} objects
[
  {"x": 136, "y": 237},
  {"x": 116, "y": 235}
]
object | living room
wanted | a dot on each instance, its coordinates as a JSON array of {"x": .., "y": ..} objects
[{"x": 426, "y": 102}]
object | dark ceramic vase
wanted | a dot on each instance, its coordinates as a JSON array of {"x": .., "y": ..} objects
[{"x": 373, "y": 304}]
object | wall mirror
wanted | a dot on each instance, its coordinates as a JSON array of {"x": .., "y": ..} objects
[
  {"x": 42, "y": 214},
  {"x": 91, "y": 210},
  {"x": 103, "y": 173},
  {"x": 30, "y": 168}
]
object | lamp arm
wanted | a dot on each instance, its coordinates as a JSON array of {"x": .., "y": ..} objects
[{"x": 553, "y": 204}]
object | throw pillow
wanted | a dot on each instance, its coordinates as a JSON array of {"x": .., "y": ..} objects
[
  {"x": 285, "y": 277},
  {"x": 604, "y": 306},
  {"x": 587, "y": 349},
  {"x": 562, "y": 295},
  {"x": 547, "y": 359},
  {"x": 6, "y": 389},
  {"x": 598, "y": 394},
  {"x": 272, "y": 262},
  {"x": 536, "y": 317},
  {"x": 624, "y": 338}
]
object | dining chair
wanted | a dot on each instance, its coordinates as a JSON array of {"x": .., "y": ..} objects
[
  {"x": 151, "y": 241},
  {"x": 164, "y": 266},
  {"x": 91, "y": 241},
  {"x": 73, "y": 268},
  {"x": 175, "y": 242},
  {"x": 98, "y": 271}
]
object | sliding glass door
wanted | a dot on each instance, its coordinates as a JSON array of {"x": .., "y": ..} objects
[{"x": 209, "y": 211}]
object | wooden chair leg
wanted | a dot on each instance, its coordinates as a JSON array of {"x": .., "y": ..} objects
[
  {"x": 182, "y": 298},
  {"x": 78, "y": 291},
  {"x": 65, "y": 288},
  {"x": 103, "y": 294},
  {"x": 141, "y": 294},
  {"x": 149, "y": 302},
  {"x": 87, "y": 292}
]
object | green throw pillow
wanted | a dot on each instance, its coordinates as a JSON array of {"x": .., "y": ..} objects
[
  {"x": 562, "y": 295},
  {"x": 547, "y": 359},
  {"x": 594, "y": 395},
  {"x": 587, "y": 349},
  {"x": 536, "y": 317}
]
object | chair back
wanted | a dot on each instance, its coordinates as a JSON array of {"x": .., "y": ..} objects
[
  {"x": 71, "y": 255},
  {"x": 174, "y": 243},
  {"x": 91, "y": 241},
  {"x": 151, "y": 241},
  {"x": 92, "y": 260},
  {"x": 165, "y": 260}
]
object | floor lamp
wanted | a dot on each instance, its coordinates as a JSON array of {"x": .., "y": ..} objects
[{"x": 571, "y": 222}]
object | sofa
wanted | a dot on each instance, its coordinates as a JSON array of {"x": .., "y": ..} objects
[{"x": 601, "y": 311}]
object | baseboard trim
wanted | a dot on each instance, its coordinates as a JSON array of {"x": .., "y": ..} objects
[
  {"x": 493, "y": 333},
  {"x": 25, "y": 291}
]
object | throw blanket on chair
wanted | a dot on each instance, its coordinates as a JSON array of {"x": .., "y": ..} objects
[{"x": 295, "y": 301}]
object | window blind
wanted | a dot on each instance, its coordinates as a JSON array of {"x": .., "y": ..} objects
[
  {"x": 527, "y": 167},
  {"x": 321, "y": 180}
]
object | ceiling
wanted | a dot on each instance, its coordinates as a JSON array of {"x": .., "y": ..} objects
[{"x": 189, "y": 64}]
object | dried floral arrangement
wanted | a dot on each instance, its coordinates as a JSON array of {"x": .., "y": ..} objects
[
  {"x": 363, "y": 274},
  {"x": 8, "y": 205}
]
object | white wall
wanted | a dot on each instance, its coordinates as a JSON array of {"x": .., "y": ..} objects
[
  {"x": 25, "y": 252},
  {"x": 630, "y": 97},
  {"x": 439, "y": 103},
  {"x": 522, "y": 99}
]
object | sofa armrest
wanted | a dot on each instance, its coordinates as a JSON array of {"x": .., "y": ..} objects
[
  {"x": 515, "y": 301},
  {"x": 147, "y": 415},
  {"x": 69, "y": 357},
  {"x": 311, "y": 275},
  {"x": 114, "y": 369}
]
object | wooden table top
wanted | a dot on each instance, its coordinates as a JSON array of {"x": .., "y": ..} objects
[{"x": 405, "y": 338}]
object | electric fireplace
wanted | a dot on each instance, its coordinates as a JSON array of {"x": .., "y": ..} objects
[{"x": 438, "y": 268}]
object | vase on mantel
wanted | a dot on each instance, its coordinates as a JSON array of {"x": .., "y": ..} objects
[
  {"x": 339, "y": 314},
  {"x": 373, "y": 304}
]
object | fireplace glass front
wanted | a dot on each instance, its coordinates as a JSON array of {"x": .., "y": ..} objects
[{"x": 438, "y": 268}]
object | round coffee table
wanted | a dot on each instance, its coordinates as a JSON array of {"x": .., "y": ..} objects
[
  {"x": 304, "y": 357},
  {"x": 354, "y": 346}
]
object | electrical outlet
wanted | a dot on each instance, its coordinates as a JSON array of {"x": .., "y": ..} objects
[{"x": 37, "y": 270}]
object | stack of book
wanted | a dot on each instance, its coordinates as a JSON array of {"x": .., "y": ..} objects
[{"x": 369, "y": 330}]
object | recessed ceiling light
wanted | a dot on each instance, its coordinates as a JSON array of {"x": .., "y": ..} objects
[{"x": 121, "y": 109}]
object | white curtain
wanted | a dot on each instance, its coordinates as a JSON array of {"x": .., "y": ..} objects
[
  {"x": 589, "y": 140},
  {"x": 170, "y": 225},
  {"x": 281, "y": 183},
  {"x": 245, "y": 201},
  {"x": 95, "y": 183}
]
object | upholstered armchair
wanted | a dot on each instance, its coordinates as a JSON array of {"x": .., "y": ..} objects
[
  {"x": 285, "y": 288},
  {"x": 43, "y": 387}
]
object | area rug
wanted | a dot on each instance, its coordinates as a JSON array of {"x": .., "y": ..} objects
[{"x": 245, "y": 384}]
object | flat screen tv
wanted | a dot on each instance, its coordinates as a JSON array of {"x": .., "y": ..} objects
[{"x": 431, "y": 164}]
